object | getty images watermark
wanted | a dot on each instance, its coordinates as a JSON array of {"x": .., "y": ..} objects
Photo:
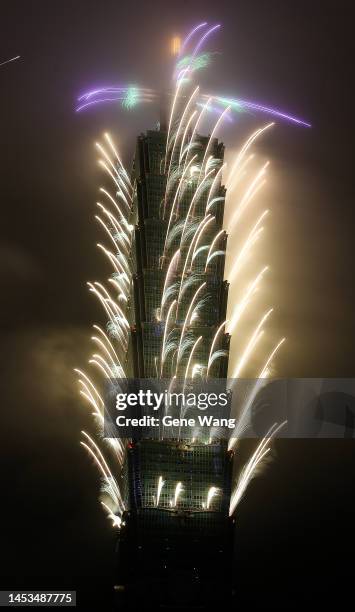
[{"x": 224, "y": 408}]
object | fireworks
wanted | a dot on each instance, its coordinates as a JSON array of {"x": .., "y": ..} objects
[
  {"x": 189, "y": 61},
  {"x": 128, "y": 96},
  {"x": 253, "y": 466},
  {"x": 12, "y": 59},
  {"x": 194, "y": 244},
  {"x": 239, "y": 105}
]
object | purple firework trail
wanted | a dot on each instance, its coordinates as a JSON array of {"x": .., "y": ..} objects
[
  {"x": 120, "y": 94},
  {"x": 204, "y": 37},
  {"x": 190, "y": 35}
]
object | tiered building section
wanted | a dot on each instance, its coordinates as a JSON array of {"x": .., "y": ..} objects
[{"x": 177, "y": 491}]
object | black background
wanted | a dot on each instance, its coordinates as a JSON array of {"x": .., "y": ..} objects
[{"x": 294, "y": 529}]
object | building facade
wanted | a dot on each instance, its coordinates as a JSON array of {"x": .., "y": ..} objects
[{"x": 176, "y": 530}]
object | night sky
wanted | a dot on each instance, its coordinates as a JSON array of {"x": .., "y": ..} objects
[{"x": 295, "y": 524}]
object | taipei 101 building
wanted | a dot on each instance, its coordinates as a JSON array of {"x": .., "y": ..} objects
[
  {"x": 165, "y": 302},
  {"x": 177, "y": 492}
]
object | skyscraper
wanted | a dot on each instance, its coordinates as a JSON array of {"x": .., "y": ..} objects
[{"x": 176, "y": 532}]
